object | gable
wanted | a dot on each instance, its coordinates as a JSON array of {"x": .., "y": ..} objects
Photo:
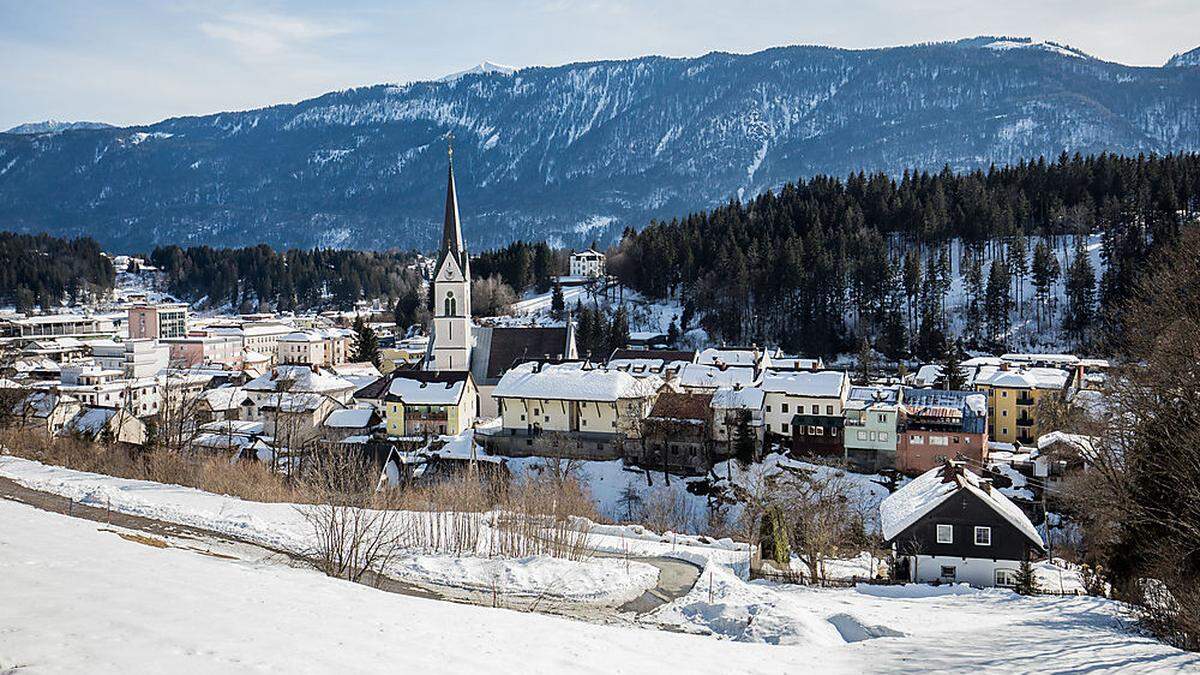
[
  {"x": 966, "y": 510},
  {"x": 448, "y": 269}
]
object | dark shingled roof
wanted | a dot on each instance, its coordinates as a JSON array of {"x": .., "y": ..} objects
[
  {"x": 682, "y": 406},
  {"x": 513, "y": 346}
]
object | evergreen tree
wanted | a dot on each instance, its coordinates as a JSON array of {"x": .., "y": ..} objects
[
  {"x": 996, "y": 303},
  {"x": 1026, "y": 581},
  {"x": 618, "y": 330},
  {"x": 366, "y": 343},
  {"x": 865, "y": 361},
  {"x": 1018, "y": 266},
  {"x": 1045, "y": 274},
  {"x": 952, "y": 374},
  {"x": 558, "y": 305},
  {"x": 1081, "y": 295},
  {"x": 673, "y": 333}
]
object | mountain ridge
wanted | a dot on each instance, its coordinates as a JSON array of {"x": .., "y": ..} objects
[{"x": 579, "y": 151}]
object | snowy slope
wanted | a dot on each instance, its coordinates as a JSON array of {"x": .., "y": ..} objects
[{"x": 79, "y": 598}]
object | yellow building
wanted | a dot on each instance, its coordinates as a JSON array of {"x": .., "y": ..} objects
[
  {"x": 426, "y": 403},
  {"x": 1013, "y": 395}
]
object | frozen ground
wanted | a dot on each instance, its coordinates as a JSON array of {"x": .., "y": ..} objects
[{"x": 79, "y": 597}]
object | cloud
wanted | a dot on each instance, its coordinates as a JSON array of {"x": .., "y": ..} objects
[{"x": 262, "y": 35}]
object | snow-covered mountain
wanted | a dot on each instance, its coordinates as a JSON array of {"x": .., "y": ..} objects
[
  {"x": 1189, "y": 59},
  {"x": 578, "y": 152},
  {"x": 51, "y": 126},
  {"x": 485, "y": 68}
]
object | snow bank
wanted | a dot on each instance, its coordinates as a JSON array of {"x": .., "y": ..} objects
[{"x": 722, "y": 604}]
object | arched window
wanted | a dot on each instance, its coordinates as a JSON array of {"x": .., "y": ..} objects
[{"x": 451, "y": 305}]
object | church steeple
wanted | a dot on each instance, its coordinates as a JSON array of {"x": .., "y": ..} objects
[{"x": 452, "y": 239}]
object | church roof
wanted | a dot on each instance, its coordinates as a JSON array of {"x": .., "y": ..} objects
[
  {"x": 512, "y": 346},
  {"x": 452, "y": 239}
]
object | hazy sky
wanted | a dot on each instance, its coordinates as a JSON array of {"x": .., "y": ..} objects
[{"x": 131, "y": 62}]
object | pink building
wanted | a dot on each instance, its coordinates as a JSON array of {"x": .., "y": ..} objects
[
  {"x": 208, "y": 350},
  {"x": 166, "y": 320}
]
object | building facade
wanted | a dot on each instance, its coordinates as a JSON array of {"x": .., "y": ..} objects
[{"x": 157, "y": 321}]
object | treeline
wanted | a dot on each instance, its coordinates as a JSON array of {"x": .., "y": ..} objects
[
  {"x": 801, "y": 267},
  {"x": 522, "y": 265},
  {"x": 259, "y": 277},
  {"x": 44, "y": 271}
]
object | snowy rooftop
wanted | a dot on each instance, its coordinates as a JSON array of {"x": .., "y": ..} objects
[
  {"x": 224, "y": 398},
  {"x": 747, "y": 358},
  {"x": 1084, "y": 445},
  {"x": 822, "y": 384},
  {"x": 302, "y": 378},
  {"x": 924, "y": 493},
  {"x": 570, "y": 382},
  {"x": 419, "y": 392},
  {"x": 1023, "y": 378},
  {"x": 350, "y": 418},
  {"x": 740, "y": 398},
  {"x": 701, "y": 376}
]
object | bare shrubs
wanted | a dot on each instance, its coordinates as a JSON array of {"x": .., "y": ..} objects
[
  {"x": 356, "y": 527},
  {"x": 248, "y": 480}
]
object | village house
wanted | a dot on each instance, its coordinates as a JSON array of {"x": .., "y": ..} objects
[
  {"x": 949, "y": 525},
  {"x": 428, "y": 403},
  {"x": 292, "y": 379},
  {"x": 677, "y": 434},
  {"x": 735, "y": 408},
  {"x": 936, "y": 425},
  {"x": 1013, "y": 394},
  {"x": 806, "y": 410},
  {"x": 293, "y": 419},
  {"x": 707, "y": 378},
  {"x": 48, "y": 411},
  {"x": 221, "y": 403},
  {"x": 100, "y": 424},
  {"x": 350, "y": 425},
  {"x": 570, "y": 409},
  {"x": 871, "y": 416}
]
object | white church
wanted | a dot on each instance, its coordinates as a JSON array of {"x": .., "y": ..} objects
[{"x": 458, "y": 344}]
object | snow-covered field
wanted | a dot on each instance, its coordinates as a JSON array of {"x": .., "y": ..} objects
[
  {"x": 80, "y": 598},
  {"x": 282, "y": 527}
]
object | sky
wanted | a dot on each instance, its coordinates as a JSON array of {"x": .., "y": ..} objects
[{"x": 138, "y": 61}]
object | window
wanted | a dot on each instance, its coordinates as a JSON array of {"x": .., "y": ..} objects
[
  {"x": 918, "y": 440},
  {"x": 1004, "y": 413},
  {"x": 949, "y": 572},
  {"x": 1006, "y": 578},
  {"x": 1004, "y": 394},
  {"x": 883, "y": 436},
  {"x": 983, "y": 536},
  {"x": 939, "y": 440},
  {"x": 862, "y": 435},
  {"x": 816, "y": 409},
  {"x": 945, "y": 534},
  {"x": 783, "y": 407},
  {"x": 783, "y": 427},
  {"x": 1004, "y": 431},
  {"x": 828, "y": 410},
  {"x": 451, "y": 304},
  {"x": 768, "y": 407}
]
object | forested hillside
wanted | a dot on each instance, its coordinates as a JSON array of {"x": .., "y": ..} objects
[
  {"x": 257, "y": 277},
  {"x": 908, "y": 264},
  {"x": 578, "y": 152},
  {"x": 45, "y": 271}
]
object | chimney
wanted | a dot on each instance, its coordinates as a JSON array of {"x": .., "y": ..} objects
[
  {"x": 985, "y": 484},
  {"x": 950, "y": 472},
  {"x": 1004, "y": 366}
]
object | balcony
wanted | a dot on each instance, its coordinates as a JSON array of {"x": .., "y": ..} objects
[
  {"x": 1025, "y": 421},
  {"x": 1025, "y": 400}
]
